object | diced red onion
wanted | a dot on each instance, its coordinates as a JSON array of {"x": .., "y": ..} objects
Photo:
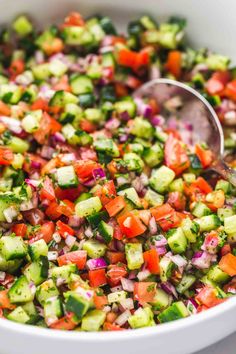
[
  {"x": 142, "y": 108},
  {"x": 35, "y": 164},
  {"x": 123, "y": 138},
  {"x": 26, "y": 205},
  {"x": 133, "y": 274},
  {"x": 106, "y": 309},
  {"x": 121, "y": 180},
  {"x": 52, "y": 255},
  {"x": 96, "y": 263},
  {"x": 144, "y": 274},
  {"x": 116, "y": 288},
  {"x": 99, "y": 173},
  {"x": 59, "y": 137},
  {"x": 47, "y": 152},
  {"x": 2, "y": 276},
  {"x": 177, "y": 259},
  {"x": 56, "y": 237},
  {"x": 169, "y": 288},
  {"x": 67, "y": 159},
  {"x": 39, "y": 57},
  {"x": 88, "y": 232},
  {"x": 125, "y": 116},
  {"x": 202, "y": 67},
  {"x": 14, "y": 125},
  {"x": 70, "y": 241},
  {"x": 210, "y": 244},
  {"x": 32, "y": 182},
  {"x": 127, "y": 284},
  {"x": 112, "y": 124},
  {"x": 192, "y": 306},
  {"x": 127, "y": 304},
  {"x": 202, "y": 260},
  {"x": 155, "y": 72},
  {"x": 161, "y": 250},
  {"x": 157, "y": 120},
  {"x": 123, "y": 318},
  {"x": 10, "y": 213},
  {"x": 160, "y": 241},
  {"x": 152, "y": 226},
  {"x": 32, "y": 287},
  {"x": 75, "y": 221}
]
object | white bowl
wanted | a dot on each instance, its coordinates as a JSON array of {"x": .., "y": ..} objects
[{"x": 211, "y": 23}]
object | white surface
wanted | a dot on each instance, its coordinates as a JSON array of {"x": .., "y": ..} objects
[
  {"x": 226, "y": 346},
  {"x": 212, "y": 23}
]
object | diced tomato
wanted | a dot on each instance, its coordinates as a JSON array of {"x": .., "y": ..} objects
[
  {"x": 230, "y": 287},
  {"x": 115, "y": 205},
  {"x": 145, "y": 216},
  {"x": 106, "y": 192},
  {"x": 66, "y": 207},
  {"x": 4, "y": 109},
  {"x": 40, "y": 103},
  {"x": 52, "y": 211},
  {"x": 121, "y": 90},
  {"x": 167, "y": 217},
  {"x": 225, "y": 249},
  {"x": 217, "y": 82},
  {"x": 107, "y": 326},
  {"x": 19, "y": 229},
  {"x": 131, "y": 225},
  {"x": 62, "y": 84},
  {"x": 99, "y": 300},
  {"x": 177, "y": 200},
  {"x": 144, "y": 291},
  {"x": 228, "y": 264},
  {"x": 84, "y": 169},
  {"x": 33, "y": 162},
  {"x": 17, "y": 67},
  {"x": 115, "y": 273},
  {"x": 202, "y": 185},
  {"x": 208, "y": 297},
  {"x": 70, "y": 193},
  {"x": 132, "y": 59},
  {"x": 133, "y": 82},
  {"x": 202, "y": 308},
  {"x": 51, "y": 165},
  {"x": 48, "y": 126},
  {"x": 6, "y": 156},
  {"x": 118, "y": 235},
  {"x": 217, "y": 200},
  {"x": 97, "y": 277},
  {"x": 230, "y": 90},
  {"x": 205, "y": 156},
  {"x": 173, "y": 64},
  {"x": 87, "y": 126},
  {"x": 4, "y": 301},
  {"x": 47, "y": 191},
  {"x": 67, "y": 323},
  {"x": 175, "y": 156},
  {"x": 76, "y": 257},
  {"x": 115, "y": 257},
  {"x": 74, "y": 19},
  {"x": 53, "y": 46},
  {"x": 64, "y": 229},
  {"x": 46, "y": 231},
  {"x": 151, "y": 259}
]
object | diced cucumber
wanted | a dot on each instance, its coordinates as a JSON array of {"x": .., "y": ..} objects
[
  {"x": 200, "y": 209},
  {"x": 166, "y": 268},
  {"x": 108, "y": 146},
  {"x": 217, "y": 62},
  {"x": 81, "y": 84},
  {"x": 223, "y": 213},
  {"x": 153, "y": 198},
  {"x": 31, "y": 121},
  {"x": 9, "y": 266},
  {"x": 53, "y": 309},
  {"x": 76, "y": 137},
  {"x": 208, "y": 223},
  {"x": 117, "y": 296},
  {"x": 190, "y": 229},
  {"x": 57, "y": 68},
  {"x": 223, "y": 185},
  {"x": 134, "y": 255},
  {"x": 133, "y": 162},
  {"x": 230, "y": 224},
  {"x": 94, "y": 248},
  {"x": 186, "y": 282},
  {"x": 20, "y": 292},
  {"x": 106, "y": 231},
  {"x": 189, "y": 177},
  {"x": 37, "y": 271},
  {"x": 174, "y": 312},
  {"x": 177, "y": 185},
  {"x": 143, "y": 317},
  {"x": 161, "y": 179},
  {"x": 66, "y": 177},
  {"x": 95, "y": 28},
  {"x": 93, "y": 320},
  {"x": 86, "y": 100},
  {"x": 18, "y": 145},
  {"x": 77, "y": 304},
  {"x": 46, "y": 290},
  {"x": 77, "y": 35},
  {"x": 88, "y": 207},
  {"x": 132, "y": 195},
  {"x": 161, "y": 300},
  {"x": 96, "y": 218},
  {"x": 62, "y": 98},
  {"x": 217, "y": 275},
  {"x": 41, "y": 71},
  {"x": 93, "y": 115},
  {"x": 37, "y": 249},
  {"x": 142, "y": 128},
  {"x": 154, "y": 155},
  {"x": 22, "y": 26},
  {"x": 13, "y": 247},
  {"x": 18, "y": 315},
  {"x": 63, "y": 272},
  {"x": 126, "y": 105},
  {"x": 31, "y": 311},
  {"x": 177, "y": 241}
]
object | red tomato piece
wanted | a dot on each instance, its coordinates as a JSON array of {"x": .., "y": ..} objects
[
  {"x": 76, "y": 257},
  {"x": 176, "y": 157}
]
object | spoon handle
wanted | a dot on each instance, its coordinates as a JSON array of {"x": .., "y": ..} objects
[{"x": 226, "y": 171}]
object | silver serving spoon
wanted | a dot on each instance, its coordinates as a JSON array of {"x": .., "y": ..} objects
[{"x": 195, "y": 110}]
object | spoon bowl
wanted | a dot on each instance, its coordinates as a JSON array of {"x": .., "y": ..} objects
[{"x": 195, "y": 110}]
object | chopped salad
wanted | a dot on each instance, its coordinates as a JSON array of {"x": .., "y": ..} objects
[{"x": 110, "y": 220}]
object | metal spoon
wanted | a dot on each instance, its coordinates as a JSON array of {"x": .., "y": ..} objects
[{"x": 195, "y": 110}]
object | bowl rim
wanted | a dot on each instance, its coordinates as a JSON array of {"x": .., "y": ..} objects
[{"x": 178, "y": 325}]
